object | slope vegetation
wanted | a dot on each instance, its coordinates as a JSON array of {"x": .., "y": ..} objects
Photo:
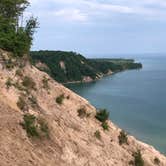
[{"x": 45, "y": 124}]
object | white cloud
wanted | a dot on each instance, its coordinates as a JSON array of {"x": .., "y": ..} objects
[
  {"x": 70, "y": 15},
  {"x": 109, "y": 7},
  {"x": 84, "y": 10}
]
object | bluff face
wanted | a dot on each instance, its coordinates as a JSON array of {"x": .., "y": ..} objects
[
  {"x": 72, "y": 67},
  {"x": 42, "y": 125}
]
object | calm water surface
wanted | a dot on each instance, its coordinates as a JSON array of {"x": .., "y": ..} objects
[{"x": 136, "y": 100}]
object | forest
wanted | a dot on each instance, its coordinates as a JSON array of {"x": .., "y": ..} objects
[{"x": 76, "y": 67}]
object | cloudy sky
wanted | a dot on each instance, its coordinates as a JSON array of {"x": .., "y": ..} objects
[{"x": 101, "y": 26}]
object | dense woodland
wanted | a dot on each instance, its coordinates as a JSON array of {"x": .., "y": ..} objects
[
  {"x": 16, "y": 33},
  {"x": 77, "y": 66}
]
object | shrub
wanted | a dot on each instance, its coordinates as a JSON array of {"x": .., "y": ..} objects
[
  {"x": 97, "y": 134},
  {"x": 28, "y": 83},
  {"x": 9, "y": 83},
  {"x": 82, "y": 112},
  {"x": 30, "y": 126},
  {"x": 21, "y": 104},
  {"x": 19, "y": 86},
  {"x": 138, "y": 161},
  {"x": 35, "y": 127},
  {"x": 19, "y": 72},
  {"x": 122, "y": 137},
  {"x": 60, "y": 99},
  {"x": 45, "y": 83},
  {"x": 102, "y": 115},
  {"x": 156, "y": 161},
  {"x": 105, "y": 126},
  {"x": 33, "y": 101},
  {"x": 43, "y": 127}
]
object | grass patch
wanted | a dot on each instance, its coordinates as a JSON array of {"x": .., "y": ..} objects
[
  {"x": 35, "y": 127},
  {"x": 138, "y": 160},
  {"x": 21, "y": 103},
  {"x": 82, "y": 112},
  {"x": 9, "y": 83},
  {"x": 60, "y": 99},
  {"x": 123, "y": 137},
  {"x": 45, "y": 83},
  {"x": 33, "y": 101},
  {"x": 43, "y": 127},
  {"x": 29, "y": 83},
  {"x": 97, "y": 134},
  {"x": 19, "y": 73},
  {"x": 19, "y": 86},
  {"x": 30, "y": 125},
  {"x": 102, "y": 115},
  {"x": 105, "y": 126}
]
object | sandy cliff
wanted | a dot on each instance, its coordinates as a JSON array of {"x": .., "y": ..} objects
[{"x": 71, "y": 141}]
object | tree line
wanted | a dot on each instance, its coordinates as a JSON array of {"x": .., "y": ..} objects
[
  {"x": 14, "y": 36},
  {"x": 77, "y": 66}
]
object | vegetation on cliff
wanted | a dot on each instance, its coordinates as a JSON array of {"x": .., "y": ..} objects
[
  {"x": 44, "y": 123},
  {"x": 70, "y": 66},
  {"x": 15, "y": 37},
  {"x": 41, "y": 117}
]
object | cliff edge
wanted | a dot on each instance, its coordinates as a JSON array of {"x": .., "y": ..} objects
[{"x": 45, "y": 124}]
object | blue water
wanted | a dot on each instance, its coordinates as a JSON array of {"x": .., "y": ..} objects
[{"x": 136, "y": 100}]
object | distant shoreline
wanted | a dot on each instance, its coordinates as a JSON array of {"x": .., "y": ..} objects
[
  {"x": 72, "y": 68},
  {"x": 104, "y": 75}
]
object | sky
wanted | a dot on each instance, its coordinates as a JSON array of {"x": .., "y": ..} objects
[{"x": 95, "y": 27}]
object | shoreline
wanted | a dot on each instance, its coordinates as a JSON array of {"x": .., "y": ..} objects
[
  {"x": 93, "y": 80},
  {"x": 97, "y": 79}
]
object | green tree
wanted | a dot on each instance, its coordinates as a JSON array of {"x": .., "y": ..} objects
[
  {"x": 15, "y": 37},
  {"x": 102, "y": 115}
]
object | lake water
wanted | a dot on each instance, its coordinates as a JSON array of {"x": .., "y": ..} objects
[{"x": 136, "y": 100}]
